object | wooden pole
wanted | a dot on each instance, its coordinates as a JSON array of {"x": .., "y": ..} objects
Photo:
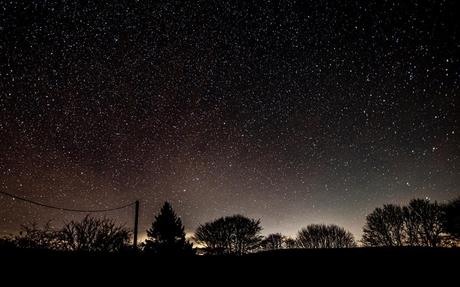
[{"x": 136, "y": 223}]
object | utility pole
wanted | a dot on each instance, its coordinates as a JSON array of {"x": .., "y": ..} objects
[{"x": 136, "y": 223}]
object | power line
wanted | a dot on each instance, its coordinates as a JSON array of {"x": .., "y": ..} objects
[{"x": 62, "y": 208}]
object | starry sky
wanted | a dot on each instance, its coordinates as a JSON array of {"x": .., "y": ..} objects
[{"x": 294, "y": 112}]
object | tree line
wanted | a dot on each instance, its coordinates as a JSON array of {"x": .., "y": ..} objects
[{"x": 419, "y": 223}]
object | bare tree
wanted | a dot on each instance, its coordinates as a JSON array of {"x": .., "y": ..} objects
[
  {"x": 425, "y": 222},
  {"x": 236, "y": 235},
  {"x": 92, "y": 234},
  {"x": 420, "y": 223},
  {"x": 325, "y": 236},
  {"x": 384, "y": 227},
  {"x": 273, "y": 241},
  {"x": 32, "y": 236},
  {"x": 290, "y": 243}
]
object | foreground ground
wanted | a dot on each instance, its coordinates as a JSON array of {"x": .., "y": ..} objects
[
  {"x": 373, "y": 259},
  {"x": 359, "y": 266}
]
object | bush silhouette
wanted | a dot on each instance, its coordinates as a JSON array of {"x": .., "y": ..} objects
[
  {"x": 92, "y": 234},
  {"x": 34, "y": 237},
  {"x": 324, "y": 236},
  {"x": 89, "y": 234},
  {"x": 231, "y": 235},
  {"x": 273, "y": 241}
]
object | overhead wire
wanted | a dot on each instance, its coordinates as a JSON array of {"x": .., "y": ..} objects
[{"x": 63, "y": 208}]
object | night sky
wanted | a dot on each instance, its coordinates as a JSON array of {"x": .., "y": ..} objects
[{"x": 294, "y": 112}]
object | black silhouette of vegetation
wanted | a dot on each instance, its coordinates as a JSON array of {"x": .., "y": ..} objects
[
  {"x": 33, "y": 237},
  {"x": 452, "y": 219},
  {"x": 425, "y": 222},
  {"x": 290, "y": 243},
  {"x": 93, "y": 234},
  {"x": 230, "y": 235},
  {"x": 420, "y": 223},
  {"x": 384, "y": 227},
  {"x": 325, "y": 236},
  {"x": 273, "y": 241},
  {"x": 90, "y": 234},
  {"x": 167, "y": 235}
]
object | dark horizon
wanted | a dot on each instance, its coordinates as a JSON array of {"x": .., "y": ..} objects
[{"x": 294, "y": 112}]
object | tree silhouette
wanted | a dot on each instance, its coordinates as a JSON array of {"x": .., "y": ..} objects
[
  {"x": 235, "y": 235},
  {"x": 32, "y": 236},
  {"x": 290, "y": 243},
  {"x": 89, "y": 234},
  {"x": 325, "y": 236},
  {"x": 384, "y": 227},
  {"x": 425, "y": 222},
  {"x": 452, "y": 219},
  {"x": 166, "y": 236},
  {"x": 273, "y": 241},
  {"x": 420, "y": 223},
  {"x": 93, "y": 234}
]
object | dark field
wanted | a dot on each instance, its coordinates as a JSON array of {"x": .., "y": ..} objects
[
  {"x": 351, "y": 258},
  {"x": 359, "y": 266}
]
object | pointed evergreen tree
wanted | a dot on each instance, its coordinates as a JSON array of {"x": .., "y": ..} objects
[{"x": 167, "y": 235}]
